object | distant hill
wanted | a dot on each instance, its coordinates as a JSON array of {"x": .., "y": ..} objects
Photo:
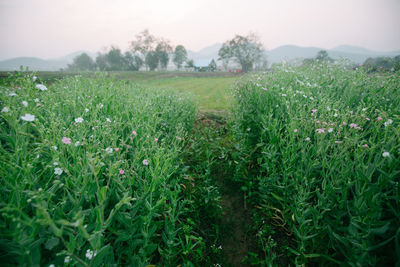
[
  {"x": 38, "y": 64},
  {"x": 353, "y": 53}
]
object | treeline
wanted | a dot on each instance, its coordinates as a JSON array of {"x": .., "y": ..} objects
[
  {"x": 370, "y": 64},
  {"x": 145, "y": 51}
]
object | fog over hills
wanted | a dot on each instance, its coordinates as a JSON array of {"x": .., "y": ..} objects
[{"x": 205, "y": 55}]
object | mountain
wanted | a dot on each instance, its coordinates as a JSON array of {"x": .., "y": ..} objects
[
  {"x": 353, "y": 53},
  {"x": 38, "y": 64},
  {"x": 204, "y": 56}
]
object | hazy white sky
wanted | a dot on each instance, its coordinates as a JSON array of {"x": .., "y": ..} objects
[{"x": 54, "y": 28}]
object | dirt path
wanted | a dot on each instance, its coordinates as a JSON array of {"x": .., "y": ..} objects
[{"x": 236, "y": 243}]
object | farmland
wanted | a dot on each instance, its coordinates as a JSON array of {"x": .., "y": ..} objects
[{"x": 297, "y": 166}]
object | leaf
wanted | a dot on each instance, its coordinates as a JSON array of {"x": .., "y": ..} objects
[{"x": 51, "y": 243}]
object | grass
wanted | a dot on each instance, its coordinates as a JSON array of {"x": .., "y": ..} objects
[{"x": 211, "y": 93}]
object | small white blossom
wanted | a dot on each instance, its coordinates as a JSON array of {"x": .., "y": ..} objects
[
  {"x": 34, "y": 78},
  {"x": 79, "y": 120},
  {"x": 5, "y": 109},
  {"x": 54, "y": 147},
  {"x": 25, "y": 103},
  {"x": 51, "y": 265},
  {"x": 67, "y": 259},
  {"x": 108, "y": 120},
  {"x": 90, "y": 254},
  {"x": 77, "y": 143},
  {"x": 86, "y": 110},
  {"x": 328, "y": 108},
  {"x": 109, "y": 150},
  {"x": 28, "y": 117},
  {"x": 41, "y": 87},
  {"x": 388, "y": 122},
  {"x": 12, "y": 94},
  {"x": 55, "y": 163},
  {"x": 330, "y": 130},
  {"x": 58, "y": 171},
  {"x": 335, "y": 115},
  {"x": 36, "y": 100},
  {"x": 385, "y": 154},
  {"x": 101, "y": 105}
]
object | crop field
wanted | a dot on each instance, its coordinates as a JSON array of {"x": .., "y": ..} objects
[{"x": 299, "y": 166}]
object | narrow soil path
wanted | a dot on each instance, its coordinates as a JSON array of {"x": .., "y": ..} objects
[{"x": 235, "y": 221}]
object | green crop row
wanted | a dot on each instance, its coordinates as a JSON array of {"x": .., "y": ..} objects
[
  {"x": 318, "y": 155},
  {"x": 92, "y": 174}
]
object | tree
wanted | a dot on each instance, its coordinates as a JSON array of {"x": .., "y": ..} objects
[
  {"x": 143, "y": 44},
  {"x": 82, "y": 62},
  {"x": 244, "y": 50},
  {"x": 101, "y": 61},
  {"x": 189, "y": 63},
  {"x": 323, "y": 56},
  {"x": 163, "y": 49},
  {"x": 152, "y": 60},
  {"x": 132, "y": 61},
  {"x": 180, "y": 56},
  {"x": 115, "y": 59},
  {"x": 212, "y": 66}
]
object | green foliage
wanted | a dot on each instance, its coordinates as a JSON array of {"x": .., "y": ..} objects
[
  {"x": 244, "y": 50},
  {"x": 380, "y": 64},
  {"x": 212, "y": 66},
  {"x": 81, "y": 63},
  {"x": 75, "y": 185},
  {"x": 317, "y": 152},
  {"x": 180, "y": 56}
]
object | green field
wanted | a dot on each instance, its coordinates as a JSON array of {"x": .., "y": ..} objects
[{"x": 295, "y": 167}]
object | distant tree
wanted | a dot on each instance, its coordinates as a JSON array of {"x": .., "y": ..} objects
[
  {"x": 101, "y": 61},
  {"x": 262, "y": 63},
  {"x": 396, "y": 63},
  {"x": 152, "y": 60},
  {"x": 322, "y": 55},
  {"x": 82, "y": 62},
  {"x": 163, "y": 49},
  {"x": 180, "y": 56},
  {"x": 212, "y": 66},
  {"x": 378, "y": 64},
  {"x": 189, "y": 63},
  {"x": 132, "y": 61},
  {"x": 143, "y": 44},
  {"x": 115, "y": 59},
  {"x": 244, "y": 50}
]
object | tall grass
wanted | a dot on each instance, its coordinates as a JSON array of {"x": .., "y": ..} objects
[
  {"x": 95, "y": 179},
  {"x": 318, "y": 155}
]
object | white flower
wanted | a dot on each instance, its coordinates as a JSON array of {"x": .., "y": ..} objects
[
  {"x": 28, "y": 117},
  {"x": 51, "y": 265},
  {"x": 54, "y": 147},
  {"x": 34, "y": 78},
  {"x": 335, "y": 115},
  {"x": 108, "y": 120},
  {"x": 86, "y": 110},
  {"x": 364, "y": 109},
  {"x": 283, "y": 94},
  {"x": 41, "y": 87},
  {"x": 79, "y": 120},
  {"x": 388, "y": 122},
  {"x": 12, "y": 94},
  {"x": 67, "y": 259},
  {"x": 101, "y": 105},
  {"x": 5, "y": 109},
  {"x": 36, "y": 100},
  {"x": 77, "y": 143},
  {"x": 109, "y": 150},
  {"x": 55, "y": 163},
  {"x": 385, "y": 154},
  {"x": 90, "y": 254},
  {"x": 311, "y": 98},
  {"x": 328, "y": 108},
  {"x": 25, "y": 103},
  {"x": 330, "y": 130},
  {"x": 58, "y": 171}
]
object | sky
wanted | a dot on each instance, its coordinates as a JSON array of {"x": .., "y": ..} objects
[{"x": 55, "y": 28}]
